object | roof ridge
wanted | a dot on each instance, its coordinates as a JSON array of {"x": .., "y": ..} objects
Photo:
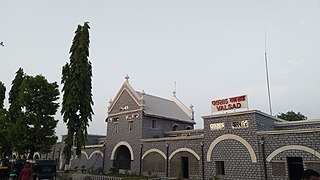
[{"x": 158, "y": 97}]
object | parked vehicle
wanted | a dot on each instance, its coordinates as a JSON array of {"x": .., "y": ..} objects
[
  {"x": 44, "y": 169},
  {"x": 16, "y": 168},
  {"x": 4, "y": 168}
]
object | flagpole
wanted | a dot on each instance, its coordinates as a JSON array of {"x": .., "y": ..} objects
[{"x": 267, "y": 73}]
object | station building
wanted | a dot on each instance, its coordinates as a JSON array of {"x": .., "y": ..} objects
[{"x": 149, "y": 135}]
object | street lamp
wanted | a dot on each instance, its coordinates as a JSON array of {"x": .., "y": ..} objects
[
  {"x": 202, "y": 159},
  {"x": 141, "y": 148},
  {"x": 167, "y": 154},
  {"x": 262, "y": 143}
]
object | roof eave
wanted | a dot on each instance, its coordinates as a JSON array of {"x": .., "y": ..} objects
[{"x": 174, "y": 119}]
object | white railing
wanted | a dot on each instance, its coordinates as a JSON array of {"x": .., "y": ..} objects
[{"x": 93, "y": 177}]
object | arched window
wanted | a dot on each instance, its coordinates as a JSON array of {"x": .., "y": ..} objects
[{"x": 174, "y": 127}]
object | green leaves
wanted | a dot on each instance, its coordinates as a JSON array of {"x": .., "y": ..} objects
[
  {"x": 77, "y": 96},
  {"x": 291, "y": 116},
  {"x": 2, "y": 94},
  {"x": 33, "y": 103}
]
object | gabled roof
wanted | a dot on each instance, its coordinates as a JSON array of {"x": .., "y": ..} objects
[
  {"x": 125, "y": 86},
  {"x": 156, "y": 106}
]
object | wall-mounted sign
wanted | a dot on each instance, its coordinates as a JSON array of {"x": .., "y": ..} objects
[
  {"x": 124, "y": 108},
  {"x": 216, "y": 126},
  {"x": 240, "y": 124},
  {"x": 231, "y": 103},
  {"x": 132, "y": 116}
]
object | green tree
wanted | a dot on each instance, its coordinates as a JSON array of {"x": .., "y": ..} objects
[
  {"x": 15, "y": 111},
  {"x": 5, "y": 147},
  {"x": 2, "y": 94},
  {"x": 291, "y": 116},
  {"x": 38, "y": 99},
  {"x": 15, "y": 107},
  {"x": 77, "y": 96}
]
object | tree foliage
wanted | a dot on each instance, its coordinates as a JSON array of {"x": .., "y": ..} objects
[
  {"x": 36, "y": 126},
  {"x": 77, "y": 96},
  {"x": 292, "y": 116},
  {"x": 2, "y": 94},
  {"x": 4, "y": 141},
  {"x": 15, "y": 107},
  {"x": 15, "y": 111},
  {"x": 30, "y": 122}
]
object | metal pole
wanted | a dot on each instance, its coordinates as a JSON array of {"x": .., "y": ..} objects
[
  {"x": 53, "y": 152},
  {"x": 141, "y": 148},
  {"x": 167, "y": 169},
  {"x": 267, "y": 72},
  {"x": 104, "y": 154},
  {"x": 202, "y": 160},
  {"x": 264, "y": 159}
]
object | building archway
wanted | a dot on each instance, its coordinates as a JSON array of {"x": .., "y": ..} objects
[
  {"x": 153, "y": 160},
  {"x": 118, "y": 145},
  {"x": 184, "y": 162},
  {"x": 122, "y": 158},
  {"x": 292, "y": 147},
  {"x": 232, "y": 137},
  {"x": 96, "y": 152},
  {"x": 36, "y": 156}
]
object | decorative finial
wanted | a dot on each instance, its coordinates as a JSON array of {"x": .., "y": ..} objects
[
  {"x": 143, "y": 93},
  {"x": 192, "y": 112},
  {"x": 174, "y": 90},
  {"x": 110, "y": 101},
  {"x": 127, "y": 78}
]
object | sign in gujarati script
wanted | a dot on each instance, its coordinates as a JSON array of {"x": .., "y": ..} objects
[
  {"x": 231, "y": 103},
  {"x": 240, "y": 124},
  {"x": 216, "y": 126}
]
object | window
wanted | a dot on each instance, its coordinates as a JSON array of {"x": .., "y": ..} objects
[
  {"x": 220, "y": 168},
  {"x": 116, "y": 127},
  {"x": 130, "y": 123},
  {"x": 174, "y": 127},
  {"x": 154, "y": 124},
  {"x": 114, "y": 119}
]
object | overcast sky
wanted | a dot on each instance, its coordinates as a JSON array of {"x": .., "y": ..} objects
[{"x": 212, "y": 49}]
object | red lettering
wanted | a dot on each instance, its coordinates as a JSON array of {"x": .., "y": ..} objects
[
  {"x": 220, "y": 102},
  {"x": 238, "y": 105},
  {"x": 237, "y": 99},
  {"x": 220, "y": 108}
]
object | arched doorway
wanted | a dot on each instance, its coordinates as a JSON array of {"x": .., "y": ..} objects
[
  {"x": 123, "y": 158},
  {"x": 184, "y": 162},
  {"x": 36, "y": 156}
]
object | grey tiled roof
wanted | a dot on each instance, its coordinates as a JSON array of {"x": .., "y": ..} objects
[{"x": 156, "y": 106}]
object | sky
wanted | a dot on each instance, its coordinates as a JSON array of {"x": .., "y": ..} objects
[{"x": 210, "y": 49}]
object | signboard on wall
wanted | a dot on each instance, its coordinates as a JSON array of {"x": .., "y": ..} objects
[{"x": 232, "y": 103}]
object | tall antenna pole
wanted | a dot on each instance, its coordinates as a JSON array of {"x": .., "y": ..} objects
[{"x": 267, "y": 74}]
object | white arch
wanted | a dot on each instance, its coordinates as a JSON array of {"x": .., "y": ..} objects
[
  {"x": 82, "y": 152},
  {"x": 154, "y": 150},
  {"x": 120, "y": 144},
  {"x": 233, "y": 137},
  {"x": 184, "y": 150},
  {"x": 95, "y": 152},
  {"x": 35, "y": 155},
  {"x": 292, "y": 147}
]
